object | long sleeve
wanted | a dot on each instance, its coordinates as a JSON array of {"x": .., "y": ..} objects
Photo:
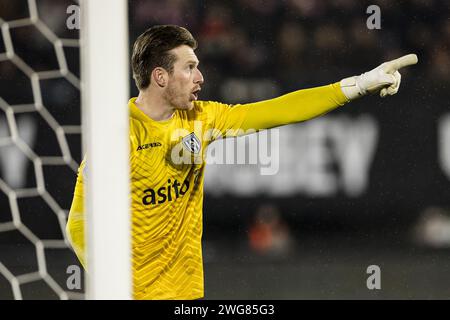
[{"x": 290, "y": 108}]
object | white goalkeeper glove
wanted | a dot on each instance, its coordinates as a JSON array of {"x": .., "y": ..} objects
[{"x": 384, "y": 79}]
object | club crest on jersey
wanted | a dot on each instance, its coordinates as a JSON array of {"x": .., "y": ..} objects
[{"x": 192, "y": 143}]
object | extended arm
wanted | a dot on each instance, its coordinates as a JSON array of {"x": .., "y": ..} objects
[
  {"x": 293, "y": 107},
  {"x": 306, "y": 104}
]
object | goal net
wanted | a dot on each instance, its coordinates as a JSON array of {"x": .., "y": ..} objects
[{"x": 40, "y": 146}]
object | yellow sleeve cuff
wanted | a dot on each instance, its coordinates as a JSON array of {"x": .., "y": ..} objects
[{"x": 341, "y": 99}]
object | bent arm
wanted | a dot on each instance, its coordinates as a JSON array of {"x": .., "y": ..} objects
[{"x": 76, "y": 222}]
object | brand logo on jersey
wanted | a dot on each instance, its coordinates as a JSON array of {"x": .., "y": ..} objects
[
  {"x": 172, "y": 191},
  {"x": 192, "y": 143},
  {"x": 149, "y": 145}
]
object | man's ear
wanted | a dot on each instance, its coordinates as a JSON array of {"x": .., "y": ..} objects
[{"x": 160, "y": 77}]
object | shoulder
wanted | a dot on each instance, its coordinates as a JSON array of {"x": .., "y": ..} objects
[
  {"x": 200, "y": 107},
  {"x": 136, "y": 131},
  {"x": 136, "y": 126},
  {"x": 201, "y": 111},
  {"x": 135, "y": 123},
  {"x": 204, "y": 108}
]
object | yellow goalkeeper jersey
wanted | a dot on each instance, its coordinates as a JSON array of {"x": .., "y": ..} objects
[{"x": 167, "y": 169}]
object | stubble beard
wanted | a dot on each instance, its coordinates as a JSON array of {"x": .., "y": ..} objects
[{"x": 177, "y": 101}]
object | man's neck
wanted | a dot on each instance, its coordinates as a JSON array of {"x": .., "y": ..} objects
[{"x": 154, "y": 106}]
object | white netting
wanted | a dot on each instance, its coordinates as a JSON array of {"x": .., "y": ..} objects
[{"x": 39, "y": 135}]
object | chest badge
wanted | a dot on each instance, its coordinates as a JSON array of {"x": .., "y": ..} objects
[{"x": 192, "y": 143}]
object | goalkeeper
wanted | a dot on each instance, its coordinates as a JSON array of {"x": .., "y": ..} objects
[{"x": 166, "y": 195}]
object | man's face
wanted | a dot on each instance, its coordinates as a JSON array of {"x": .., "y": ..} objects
[{"x": 186, "y": 79}]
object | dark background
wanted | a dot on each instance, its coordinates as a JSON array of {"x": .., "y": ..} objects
[{"x": 259, "y": 245}]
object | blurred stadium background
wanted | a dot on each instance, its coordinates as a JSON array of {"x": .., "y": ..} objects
[{"x": 368, "y": 184}]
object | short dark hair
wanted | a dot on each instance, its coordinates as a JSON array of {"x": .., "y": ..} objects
[{"x": 151, "y": 50}]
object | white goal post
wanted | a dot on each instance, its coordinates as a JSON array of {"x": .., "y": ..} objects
[{"x": 105, "y": 93}]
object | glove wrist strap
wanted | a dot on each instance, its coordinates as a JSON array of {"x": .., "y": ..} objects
[{"x": 351, "y": 89}]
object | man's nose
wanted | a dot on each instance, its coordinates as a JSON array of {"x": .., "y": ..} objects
[{"x": 199, "y": 79}]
